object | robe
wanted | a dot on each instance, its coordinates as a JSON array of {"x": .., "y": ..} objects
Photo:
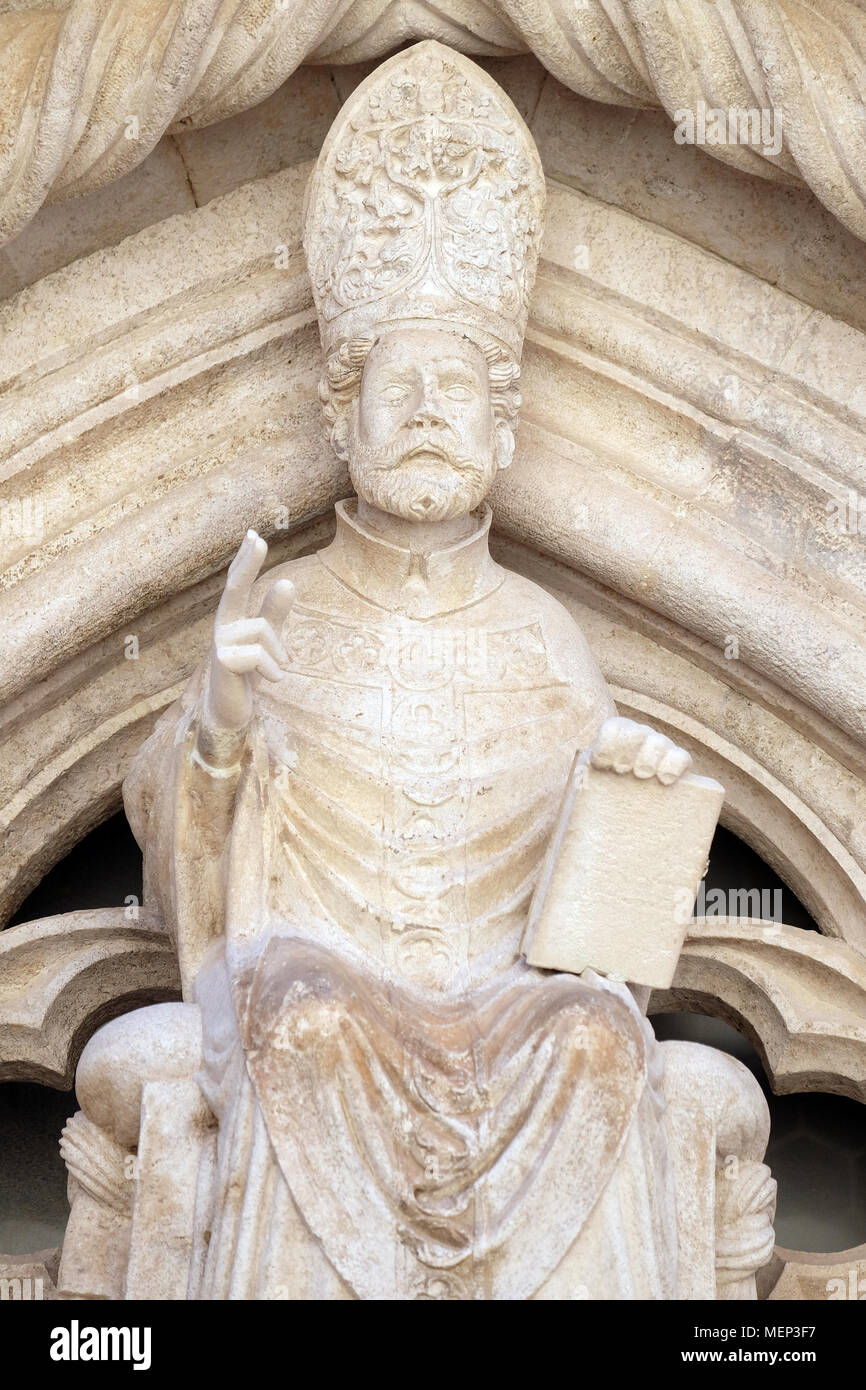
[{"x": 405, "y": 1108}]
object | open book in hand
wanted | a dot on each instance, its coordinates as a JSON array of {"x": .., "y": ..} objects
[{"x": 619, "y": 881}]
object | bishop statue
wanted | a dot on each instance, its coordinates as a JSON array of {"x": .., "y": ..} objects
[{"x": 368, "y": 1091}]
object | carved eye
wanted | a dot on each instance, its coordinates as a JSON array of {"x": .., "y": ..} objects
[
  {"x": 459, "y": 393},
  {"x": 394, "y": 394}
]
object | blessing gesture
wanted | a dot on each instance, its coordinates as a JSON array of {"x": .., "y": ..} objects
[{"x": 244, "y": 645}]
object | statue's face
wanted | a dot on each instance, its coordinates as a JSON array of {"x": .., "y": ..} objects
[{"x": 423, "y": 441}]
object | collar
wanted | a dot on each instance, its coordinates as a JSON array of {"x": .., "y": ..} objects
[{"x": 404, "y": 581}]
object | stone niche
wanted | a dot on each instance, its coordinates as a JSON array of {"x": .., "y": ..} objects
[{"x": 689, "y": 478}]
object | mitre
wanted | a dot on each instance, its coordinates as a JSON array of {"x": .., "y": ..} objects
[{"x": 426, "y": 203}]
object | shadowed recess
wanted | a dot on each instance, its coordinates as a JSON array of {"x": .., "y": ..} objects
[
  {"x": 33, "y": 1205},
  {"x": 103, "y": 870}
]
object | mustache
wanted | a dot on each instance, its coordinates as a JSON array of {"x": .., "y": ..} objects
[{"x": 404, "y": 450}]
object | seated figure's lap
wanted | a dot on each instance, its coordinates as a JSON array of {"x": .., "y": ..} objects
[{"x": 161, "y": 1042}]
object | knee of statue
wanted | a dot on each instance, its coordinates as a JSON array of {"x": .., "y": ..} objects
[
  {"x": 314, "y": 1011},
  {"x": 302, "y": 999},
  {"x": 161, "y": 1042},
  {"x": 710, "y": 1081}
]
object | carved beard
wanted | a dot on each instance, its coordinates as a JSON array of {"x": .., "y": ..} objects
[{"x": 420, "y": 489}]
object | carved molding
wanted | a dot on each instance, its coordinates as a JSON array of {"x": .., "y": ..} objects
[
  {"x": 136, "y": 384},
  {"x": 77, "y": 74},
  {"x": 798, "y": 997},
  {"x": 36, "y": 1274},
  {"x": 793, "y": 833},
  {"x": 145, "y": 430},
  {"x": 61, "y": 977},
  {"x": 676, "y": 463},
  {"x": 800, "y": 1275}
]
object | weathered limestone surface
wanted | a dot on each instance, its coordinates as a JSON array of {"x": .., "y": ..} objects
[
  {"x": 104, "y": 427},
  {"x": 65, "y": 976},
  {"x": 368, "y": 1092},
  {"x": 77, "y": 74},
  {"x": 693, "y": 420}
]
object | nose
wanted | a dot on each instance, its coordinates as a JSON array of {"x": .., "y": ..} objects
[{"x": 428, "y": 412}]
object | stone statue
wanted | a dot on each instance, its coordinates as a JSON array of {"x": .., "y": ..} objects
[{"x": 368, "y": 1092}]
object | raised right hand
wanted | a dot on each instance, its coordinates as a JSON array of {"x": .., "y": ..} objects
[{"x": 244, "y": 645}]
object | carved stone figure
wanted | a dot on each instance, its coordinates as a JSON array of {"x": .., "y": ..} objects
[{"x": 368, "y": 1092}]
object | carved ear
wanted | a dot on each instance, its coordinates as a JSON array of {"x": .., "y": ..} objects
[
  {"x": 346, "y": 412},
  {"x": 504, "y": 443},
  {"x": 340, "y": 436}
]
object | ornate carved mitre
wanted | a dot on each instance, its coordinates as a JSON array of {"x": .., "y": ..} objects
[{"x": 426, "y": 203}]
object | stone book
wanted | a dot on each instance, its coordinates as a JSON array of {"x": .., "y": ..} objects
[{"x": 618, "y": 885}]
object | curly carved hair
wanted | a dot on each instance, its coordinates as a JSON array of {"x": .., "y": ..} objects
[{"x": 341, "y": 379}]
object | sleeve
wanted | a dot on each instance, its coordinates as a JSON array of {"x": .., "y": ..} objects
[{"x": 181, "y": 812}]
